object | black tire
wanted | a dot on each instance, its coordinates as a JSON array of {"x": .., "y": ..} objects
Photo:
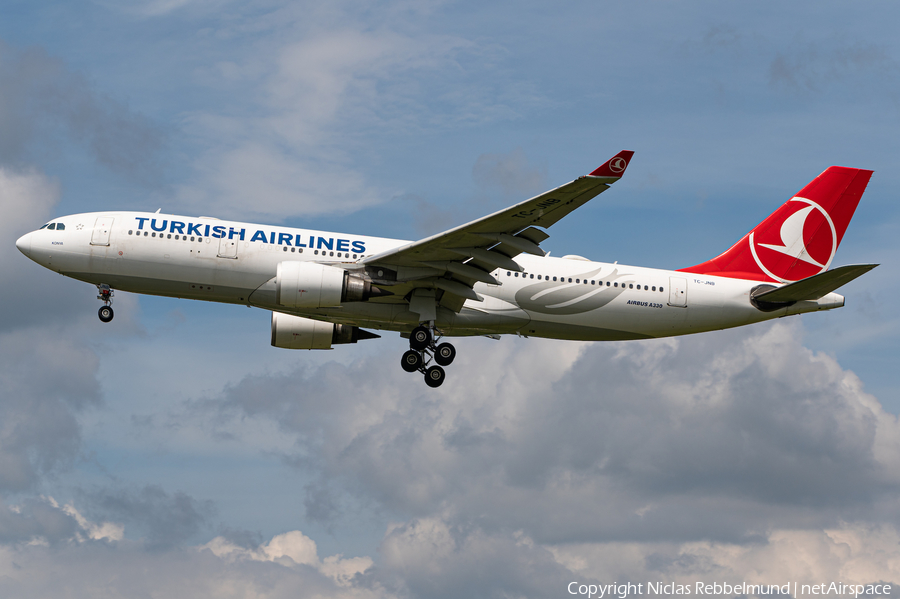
[
  {"x": 411, "y": 361},
  {"x": 434, "y": 376},
  {"x": 444, "y": 354},
  {"x": 420, "y": 338},
  {"x": 105, "y": 313}
]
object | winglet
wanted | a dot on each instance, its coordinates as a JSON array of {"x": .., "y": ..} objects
[{"x": 615, "y": 166}]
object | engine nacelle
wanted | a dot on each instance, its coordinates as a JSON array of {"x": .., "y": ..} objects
[
  {"x": 296, "y": 332},
  {"x": 311, "y": 285}
]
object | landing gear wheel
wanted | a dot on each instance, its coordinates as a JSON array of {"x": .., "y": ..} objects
[
  {"x": 444, "y": 354},
  {"x": 105, "y": 313},
  {"x": 434, "y": 376},
  {"x": 411, "y": 361},
  {"x": 420, "y": 338}
]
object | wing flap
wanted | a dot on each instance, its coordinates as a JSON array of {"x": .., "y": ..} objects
[{"x": 816, "y": 286}]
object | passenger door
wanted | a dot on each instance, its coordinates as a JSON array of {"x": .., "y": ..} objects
[
  {"x": 228, "y": 248},
  {"x": 678, "y": 292},
  {"x": 102, "y": 227}
]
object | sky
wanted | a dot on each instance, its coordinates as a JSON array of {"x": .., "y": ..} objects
[{"x": 175, "y": 453}]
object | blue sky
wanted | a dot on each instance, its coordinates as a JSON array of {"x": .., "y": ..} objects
[{"x": 175, "y": 452}]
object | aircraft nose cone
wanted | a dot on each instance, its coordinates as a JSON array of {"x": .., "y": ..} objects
[{"x": 24, "y": 244}]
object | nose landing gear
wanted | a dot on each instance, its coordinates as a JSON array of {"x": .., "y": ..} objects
[
  {"x": 106, "y": 294},
  {"x": 423, "y": 349}
]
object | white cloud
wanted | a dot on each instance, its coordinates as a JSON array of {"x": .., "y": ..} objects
[
  {"x": 297, "y": 549},
  {"x": 26, "y": 199}
]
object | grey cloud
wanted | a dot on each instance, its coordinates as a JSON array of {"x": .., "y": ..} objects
[
  {"x": 35, "y": 519},
  {"x": 41, "y": 100},
  {"x": 46, "y": 380},
  {"x": 814, "y": 68},
  {"x": 510, "y": 173},
  {"x": 713, "y": 436},
  {"x": 429, "y": 218},
  {"x": 164, "y": 520},
  {"x": 123, "y": 570}
]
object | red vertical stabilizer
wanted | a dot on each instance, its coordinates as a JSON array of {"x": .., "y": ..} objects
[{"x": 799, "y": 239}]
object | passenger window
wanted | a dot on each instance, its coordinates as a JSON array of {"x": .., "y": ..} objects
[
  {"x": 300, "y": 251},
  {"x": 317, "y": 252},
  {"x": 508, "y": 273},
  {"x": 517, "y": 274},
  {"x": 51, "y": 227},
  {"x": 531, "y": 277},
  {"x": 554, "y": 278},
  {"x": 631, "y": 285},
  {"x": 154, "y": 235},
  {"x": 570, "y": 280},
  {"x": 169, "y": 236},
  {"x": 285, "y": 249},
  {"x": 331, "y": 253},
  {"x": 660, "y": 289},
  {"x": 145, "y": 233},
  {"x": 130, "y": 231},
  {"x": 539, "y": 277},
  {"x": 592, "y": 281},
  {"x": 293, "y": 250},
  {"x": 617, "y": 284},
  {"x": 60, "y": 227},
  {"x": 645, "y": 288},
  {"x": 654, "y": 288}
]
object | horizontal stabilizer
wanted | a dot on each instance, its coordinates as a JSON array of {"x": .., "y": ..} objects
[{"x": 815, "y": 287}]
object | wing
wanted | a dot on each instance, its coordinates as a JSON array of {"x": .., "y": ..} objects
[{"x": 453, "y": 261}]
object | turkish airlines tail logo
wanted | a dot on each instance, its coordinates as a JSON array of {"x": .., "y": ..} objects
[
  {"x": 805, "y": 235},
  {"x": 799, "y": 239}
]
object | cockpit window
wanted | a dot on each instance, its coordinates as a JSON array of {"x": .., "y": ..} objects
[
  {"x": 51, "y": 226},
  {"x": 45, "y": 226},
  {"x": 60, "y": 227}
]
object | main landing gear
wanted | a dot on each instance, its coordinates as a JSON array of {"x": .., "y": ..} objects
[
  {"x": 424, "y": 349},
  {"x": 106, "y": 294}
]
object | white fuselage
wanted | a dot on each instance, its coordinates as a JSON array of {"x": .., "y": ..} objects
[{"x": 563, "y": 298}]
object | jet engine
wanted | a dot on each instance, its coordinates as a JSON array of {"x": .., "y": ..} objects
[
  {"x": 311, "y": 285},
  {"x": 296, "y": 332}
]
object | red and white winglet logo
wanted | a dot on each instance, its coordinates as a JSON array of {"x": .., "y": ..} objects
[
  {"x": 802, "y": 237},
  {"x": 618, "y": 164}
]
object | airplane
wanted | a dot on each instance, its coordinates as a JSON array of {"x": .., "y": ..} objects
[{"x": 488, "y": 277}]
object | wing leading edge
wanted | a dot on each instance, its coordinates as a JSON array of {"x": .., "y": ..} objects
[{"x": 453, "y": 261}]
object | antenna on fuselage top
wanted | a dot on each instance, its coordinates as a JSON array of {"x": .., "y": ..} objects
[{"x": 157, "y": 211}]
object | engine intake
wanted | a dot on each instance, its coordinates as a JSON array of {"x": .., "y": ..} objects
[
  {"x": 296, "y": 332},
  {"x": 312, "y": 285}
]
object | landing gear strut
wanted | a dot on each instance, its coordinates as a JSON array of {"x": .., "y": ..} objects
[
  {"x": 423, "y": 349},
  {"x": 106, "y": 294}
]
